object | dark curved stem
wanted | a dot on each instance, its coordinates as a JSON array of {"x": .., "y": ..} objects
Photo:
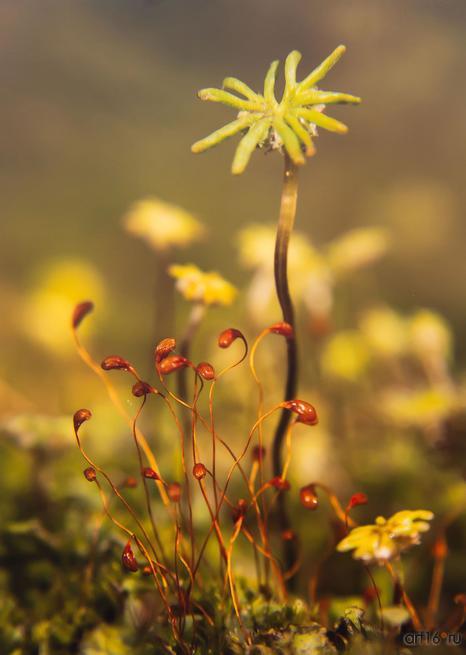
[
  {"x": 164, "y": 298},
  {"x": 285, "y": 225}
]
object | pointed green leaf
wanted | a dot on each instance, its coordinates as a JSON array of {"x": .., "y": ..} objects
[
  {"x": 240, "y": 87},
  {"x": 321, "y": 71},
  {"x": 320, "y": 119},
  {"x": 301, "y": 132},
  {"x": 269, "y": 83},
  {"x": 291, "y": 65},
  {"x": 315, "y": 97},
  {"x": 290, "y": 141},
  {"x": 221, "y": 134},
  {"x": 247, "y": 145},
  {"x": 218, "y": 95}
]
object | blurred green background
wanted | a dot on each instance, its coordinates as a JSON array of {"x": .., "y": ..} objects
[{"x": 99, "y": 109}]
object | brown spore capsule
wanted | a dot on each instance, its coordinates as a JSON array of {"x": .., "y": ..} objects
[
  {"x": 206, "y": 371},
  {"x": 172, "y": 363},
  {"x": 141, "y": 388},
  {"x": 130, "y": 482},
  {"x": 81, "y": 310},
  {"x": 199, "y": 471},
  {"x": 128, "y": 560},
  {"x": 355, "y": 500},
  {"x": 150, "y": 474},
  {"x": 279, "y": 483},
  {"x": 308, "y": 497},
  {"x": 90, "y": 474},
  {"x": 80, "y": 417},
  {"x": 370, "y": 595},
  {"x": 240, "y": 510},
  {"x": 226, "y": 338},
  {"x": 164, "y": 348},
  {"x": 306, "y": 412},
  {"x": 174, "y": 492},
  {"x": 258, "y": 453},
  {"x": 288, "y": 535},
  {"x": 282, "y": 328},
  {"x": 116, "y": 363}
]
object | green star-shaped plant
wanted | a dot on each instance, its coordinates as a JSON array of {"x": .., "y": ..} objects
[{"x": 289, "y": 124}]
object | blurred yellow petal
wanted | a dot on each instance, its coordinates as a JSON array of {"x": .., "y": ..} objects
[
  {"x": 385, "y": 331},
  {"x": 357, "y": 249},
  {"x": 48, "y": 306},
  {"x": 257, "y": 243},
  {"x": 418, "y": 407},
  {"x": 386, "y": 539},
  {"x": 429, "y": 335},
  {"x": 409, "y": 523},
  {"x": 197, "y": 286},
  {"x": 345, "y": 356},
  {"x": 162, "y": 225}
]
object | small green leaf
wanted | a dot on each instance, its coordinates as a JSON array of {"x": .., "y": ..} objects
[
  {"x": 291, "y": 64},
  {"x": 248, "y": 143},
  {"x": 269, "y": 83},
  {"x": 315, "y": 97},
  {"x": 320, "y": 119},
  {"x": 290, "y": 141},
  {"x": 299, "y": 129},
  {"x": 321, "y": 71},
  {"x": 240, "y": 87},
  {"x": 221, "y": 134},
  {"x": 218, "y": 95}
]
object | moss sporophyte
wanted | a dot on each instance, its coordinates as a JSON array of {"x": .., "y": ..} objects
[
  {"x": 170, "y": 546},
  {"x": 289, "y": 126}
]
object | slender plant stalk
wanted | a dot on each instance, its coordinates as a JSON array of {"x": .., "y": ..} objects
[
  {"x": 194, "y": 320},
  {"x": 285, "y": 225},
  {"x": 164, "y": 298},
  {"x": 436, "y": 587},
  {"x": 406, "y": 599}
]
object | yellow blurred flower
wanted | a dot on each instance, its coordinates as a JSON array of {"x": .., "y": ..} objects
[
  {"x": 345, "y": 356},
  {"x": 429, "y": 335},
  {"x": 420, "y": 407},
  {"x": 161, "y": 224},
  {"x": 209, "y": 288},
  {"x": 308, "y": 272},
  {"x": 385, "y": 331},
  {"x": 257, "y": 243},
  {"x": 48, "y": 306},
  {"x": 312, "y": 273},
  {"x": 387, "y": 538},
  {"x": 357, "y": 249}
]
